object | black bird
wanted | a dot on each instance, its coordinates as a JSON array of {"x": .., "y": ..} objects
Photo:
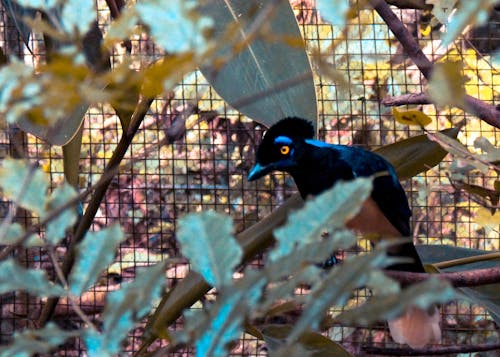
[{"x": 316, "y": 166}]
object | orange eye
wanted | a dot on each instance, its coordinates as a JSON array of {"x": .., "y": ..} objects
[{"x": 285, "y": 149}]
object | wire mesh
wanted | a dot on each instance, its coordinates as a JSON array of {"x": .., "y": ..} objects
[{"x": 193, "y": 153}]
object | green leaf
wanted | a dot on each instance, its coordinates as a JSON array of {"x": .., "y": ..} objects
[
  {"x": 176, "y": 25},
  {"x": 465, "y": 160},
  {"x": 124, "y": 309},
  {"x": 446, "y": 86},
  {"x": 468, "y": 13},
  {"x": 10, "y": 233},
  {"x": 487, "y": 296},
  {"x": 326, "y": 212},
  {"x": 122, "y": 27},
  {"x": 336, "y": 288},
  {"x": 12, "y": 77},
  {"x": 206, "y": 240},
  {"x": 94, "y": 254},
  {"x": 310, "y": 253},
  {"x": 388, "y": 306},
  {"x": 287, "y": 288},
  {"x": 223, "y": 320},
  {"x": 442, "y": 9},
  {"x": 416, "y": 154},
  {"x": 56, "y": 229},
  {"x": 77, "y": 16},
  {"x": 334, "y": 11},
  {"x": 38, "y": 4},
  {"x": 64, "y": 124},
  {"x": 268, "y": 88},
  {"x": 309, "y": 343},
  {"x": 254, "y": 239},
  {"x": 13, "y": 277},
  {"x": 24, "y": 184},
  {"x": 74, "y": 17},
  {"x": 51, "y": 104},
  {"x": 379, "y": 283},
  {"x": 67, "y": 126},
  {"x": 290, "y": 271},
  {"x": 36, "y": 342}
]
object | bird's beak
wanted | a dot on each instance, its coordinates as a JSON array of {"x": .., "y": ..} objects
[{"x": 259, "y": 170}]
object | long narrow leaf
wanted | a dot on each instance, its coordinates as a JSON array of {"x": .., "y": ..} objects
[
  {"x": 416, "y": 154},
  {"x": 262, "y": 64}
]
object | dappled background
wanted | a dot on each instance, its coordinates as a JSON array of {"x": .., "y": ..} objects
[{"x": 193, "y": 153}]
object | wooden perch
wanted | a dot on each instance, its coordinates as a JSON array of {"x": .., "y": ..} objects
[{"x": 468, "y": 278}]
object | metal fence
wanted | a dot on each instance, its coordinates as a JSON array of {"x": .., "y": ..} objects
[{"x": 193, "y": 153}]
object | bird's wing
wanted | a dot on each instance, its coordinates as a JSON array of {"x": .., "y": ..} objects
[{"x": 387, "y": 191}]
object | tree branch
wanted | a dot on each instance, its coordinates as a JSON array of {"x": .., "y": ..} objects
[
  {"x": 406, "y": 99},
  {"x": 87, "y": 219},
  {"x": 438, "y": 350},
  {"x": 482, "y": 110},
  {"x": 468, "y": 278}
]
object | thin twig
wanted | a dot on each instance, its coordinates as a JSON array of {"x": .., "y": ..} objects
[
  {"x": 467, "y": 278},
  {"x": 64, "y": 282},
  {"x": 437, "y": 350},
  {"x": 484, "y": 111},
  {"x": 93, "y": 206}
]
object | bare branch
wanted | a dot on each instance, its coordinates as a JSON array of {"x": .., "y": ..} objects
[
  {"x": 468, "y": 278},
  {"x": 406, "y": 99},
  {"x": 437, "y": 350}
]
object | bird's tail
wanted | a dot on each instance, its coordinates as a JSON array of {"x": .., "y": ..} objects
[{"x": 416, "y": 327}]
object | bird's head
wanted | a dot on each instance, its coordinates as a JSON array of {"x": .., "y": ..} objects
[{"x": 281, "y": 147}]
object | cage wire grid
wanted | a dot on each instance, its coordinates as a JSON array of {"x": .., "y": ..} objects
[{"x": 206, "y": 166}]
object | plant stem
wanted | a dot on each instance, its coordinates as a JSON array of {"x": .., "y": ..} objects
[
  {"x": 253, "y": 240},
  {"x": 86, "y": 221},
  {"x": 467, "y": 278}
]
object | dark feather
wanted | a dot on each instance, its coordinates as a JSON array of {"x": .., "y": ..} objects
[{"x": 317, "y": 166}]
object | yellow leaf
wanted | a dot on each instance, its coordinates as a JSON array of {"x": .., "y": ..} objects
[
  {"x": 446, "y": 86},
  {"x": 425, "y": 30},
  {"x": 485, "y": 218},
  {"x": 411, "y": 117}
]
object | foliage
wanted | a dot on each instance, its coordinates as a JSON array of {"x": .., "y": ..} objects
[
  {"x": 125, "y": 307},
  {"x": 240, "y": 52},
  {"x": 289, "y": 267},
  {"x": 211, "y": 234}
]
